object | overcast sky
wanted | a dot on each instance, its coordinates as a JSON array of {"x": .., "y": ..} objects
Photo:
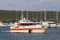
[{"x": 30, "y": 5}]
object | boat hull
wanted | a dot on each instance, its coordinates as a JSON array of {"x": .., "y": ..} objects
[{"x": 28, "y": 30}]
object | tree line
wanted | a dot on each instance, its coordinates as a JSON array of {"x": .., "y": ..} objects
[{"x": 13, "y": 15}]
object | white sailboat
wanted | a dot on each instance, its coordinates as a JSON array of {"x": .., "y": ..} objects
[{"x": 2, "y": 24}]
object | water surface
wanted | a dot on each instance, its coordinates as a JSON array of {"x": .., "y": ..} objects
[{"x": 50, "y": 34}]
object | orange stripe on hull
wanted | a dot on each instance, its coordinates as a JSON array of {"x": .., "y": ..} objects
[{"x": 28, "y": 28}]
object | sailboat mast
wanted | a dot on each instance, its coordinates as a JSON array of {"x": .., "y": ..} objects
[
  {"x": 16, "y": 16},
  {"x": 56, "y": 16},
  {"x": 37, "y": 15},
  {"x": 50, "y": 15},
  {"x": 22, "y": 14},
  {"x": 45, "y": 16},
  {"x": 41, "y": 16},
  {"x": 27, "y": 15}
]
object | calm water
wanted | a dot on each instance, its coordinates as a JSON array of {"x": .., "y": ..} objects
[{"x": 50, "y": 34}]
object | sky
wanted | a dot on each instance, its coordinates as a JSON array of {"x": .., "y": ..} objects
[{"x": 35, "y": 5}]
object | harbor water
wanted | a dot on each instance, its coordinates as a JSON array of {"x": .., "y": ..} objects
[{"x": 50, "y": 34}]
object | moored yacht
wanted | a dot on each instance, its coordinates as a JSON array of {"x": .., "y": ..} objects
[{"x": 52, "y": 24}]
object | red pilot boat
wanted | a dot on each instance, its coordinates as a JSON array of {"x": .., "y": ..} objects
[{"x": 26, "y": 26}]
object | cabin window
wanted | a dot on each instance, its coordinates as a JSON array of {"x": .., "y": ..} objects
[{"x": 27, "y": 24}]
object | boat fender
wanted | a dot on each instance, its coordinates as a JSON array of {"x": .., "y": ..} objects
[{"x": 29, "y": 31}]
